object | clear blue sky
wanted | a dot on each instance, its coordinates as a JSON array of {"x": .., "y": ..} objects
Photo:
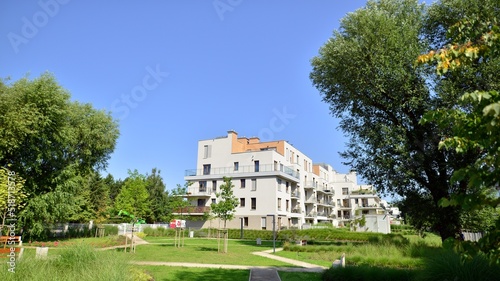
[{"x": 175, "y": 72}]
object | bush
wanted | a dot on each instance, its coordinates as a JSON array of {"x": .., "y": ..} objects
[
  {"x": 367, "y": 273},
  {"x": 160, "y": 232},
  {"x": 449, "y": 266},
  {"x": 110, "y": 230}
]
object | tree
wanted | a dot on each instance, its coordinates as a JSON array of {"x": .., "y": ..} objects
[
  {"x": 133, "y": 197},
  {"x": 158, "y": 197},
  {"x": 366, "y": 73},
  {"x": 225, "y": 207},
  {"x": 44, "y": 133},
  {"x": 176, "y": 201},
  {"x": 54, "y": 144},
  {"x": 474, "y": 45}
]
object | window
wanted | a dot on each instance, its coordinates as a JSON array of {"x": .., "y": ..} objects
[
  {"x": 256, "y": 165},
  {"x": 279, "y": 184},
  {"x": 202, "y": 202},
  {"x": 279, "y": 204},
  {"x": 245, "y": 221},
  {"x": 214, "y": 201},
  {"x": 236, "y": 166},
  {"x": 287, "y": 204},
  {"x": 281, "y": 167},
  {"x": 214, "y": 186},
  {"x": 254, "y": 184},
  {"x": 203, "y": 186},
  {"x": 207, "y": 151},
  {"x": 298, "y": 163},
  {"x": 242, "y": 202},
  {"x": 263, "y": 222},
  {"x": 345, "y": 190},
  {"x": 206, "y": 169},
  {"x": 305, "y": 165},
  {"x": 242, "y": 183},
  {"x": 254, "y": 203},
  {"x": 275, "y": 165},
  {"x": 356, "y": 201},
  {"x": 287, "y": 189}
]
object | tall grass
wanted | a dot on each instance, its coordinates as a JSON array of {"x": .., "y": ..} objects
[
  {"x": 448, "y": 266},
  {"x": 368, "y": 273},
  {"x": 79, "y": 262}
]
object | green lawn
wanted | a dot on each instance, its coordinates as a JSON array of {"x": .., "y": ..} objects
[
  {"x": 205, "y": 251},
  {"x": 170, "y": 273}
]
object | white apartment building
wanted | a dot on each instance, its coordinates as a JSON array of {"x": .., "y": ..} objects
[{"x": 274, "y": 178}]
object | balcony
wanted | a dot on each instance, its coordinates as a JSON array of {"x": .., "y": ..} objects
[
  {"x": 191, "y": 210},
  {"x": 310, "y": 185},
  {"x": 326, "y": 202},
  {"x": 311, "y": 199},
  {"x": 312, "y": 214},
  {"x": 371, "y": 206},
  {"x": 345, "y": 207},
  {"x": 228, "y": 171},
  {"x": 295, "y": 195},
  {"x": 198, "y": 192},
  {"x": 325, "y": 190}
]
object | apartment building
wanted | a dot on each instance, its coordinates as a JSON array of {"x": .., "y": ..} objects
[{"x": 274, "y": 178}]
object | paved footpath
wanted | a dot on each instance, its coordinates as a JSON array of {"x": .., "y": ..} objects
[{"x": 257, "y": 273}]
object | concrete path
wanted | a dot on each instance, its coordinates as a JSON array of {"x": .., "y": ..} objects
[{"x": 264, "y": 274}]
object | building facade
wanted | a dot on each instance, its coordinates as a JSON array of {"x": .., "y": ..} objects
[{"x": 274, "y": 179}]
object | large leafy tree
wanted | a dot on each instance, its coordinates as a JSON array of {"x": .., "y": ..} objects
[
  {"x": 473, "y": 47},
  {"x": 366, "y": 73},
  {"x": 44, "y": 133},
  {"x": 54, "y": 144}
]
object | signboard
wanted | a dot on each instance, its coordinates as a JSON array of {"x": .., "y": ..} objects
[{"x": 177, "y": 224}]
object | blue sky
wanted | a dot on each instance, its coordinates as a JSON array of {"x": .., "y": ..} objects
[{"x": 174, "y": 72}]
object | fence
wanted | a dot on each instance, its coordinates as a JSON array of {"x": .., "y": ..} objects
[{"x": 471, "y": 236}]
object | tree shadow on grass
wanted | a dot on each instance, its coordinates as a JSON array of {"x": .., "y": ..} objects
[{"x": 206, "y": 249}]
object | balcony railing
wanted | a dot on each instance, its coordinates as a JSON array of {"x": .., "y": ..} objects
[
  {"x": 295, "y": 194},
  {"x": 192, "y": 210},
  {"x": 311, "y": 214},
  {"x": 296, "y": 211},
  {"x": 310, "y": 184},
  {"x": 243, "y": 169},
  {"x": 199, "y": 191},
  {"x": 325, "y": 190},
  {"x": 311, "y": 199}
]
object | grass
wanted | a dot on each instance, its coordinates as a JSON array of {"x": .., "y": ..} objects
[
  {"x": 385, "y": 253},
  {"x": 78, "y": 262},
  {"x": 205, "y": 251},
  {"x": 168, "y": 273},
  {"x": 299, "y": 276},
  {"x": 412, "y": 259}
]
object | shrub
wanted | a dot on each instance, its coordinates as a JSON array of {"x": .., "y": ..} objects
[
  {"x": 110, "y": 230},
  {"x": 367, "y": 273},
  {"x": 448, "y": 266}
]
